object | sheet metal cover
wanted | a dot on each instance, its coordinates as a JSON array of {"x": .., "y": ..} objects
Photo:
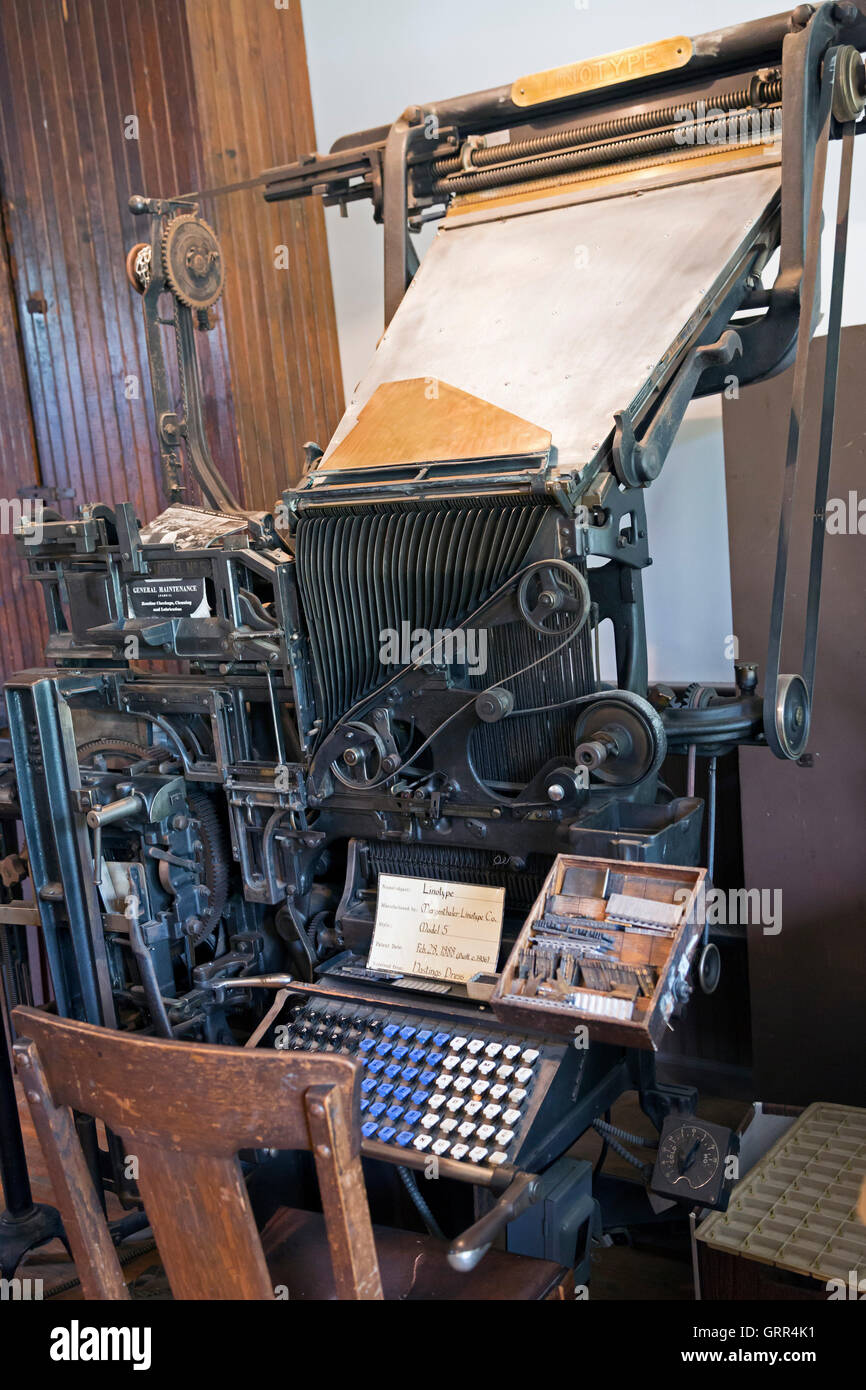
[{"x": 560, "y": 316}]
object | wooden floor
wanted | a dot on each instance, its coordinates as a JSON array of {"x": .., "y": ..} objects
[{"x": 652, "y": 1272}]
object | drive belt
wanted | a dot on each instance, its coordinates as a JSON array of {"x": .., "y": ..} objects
[{"x": 788, "y": 699}]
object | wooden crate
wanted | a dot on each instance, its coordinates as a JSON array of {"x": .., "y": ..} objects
[{"x": 670, "y": 955}]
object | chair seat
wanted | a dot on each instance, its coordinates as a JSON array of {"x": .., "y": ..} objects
[{"x": 412, "y": 1266}]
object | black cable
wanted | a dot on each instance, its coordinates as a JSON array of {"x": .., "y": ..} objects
[{"x": 421, "y": 1206}]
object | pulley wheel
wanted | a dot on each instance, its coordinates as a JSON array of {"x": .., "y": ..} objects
[
  {"x": 629, "y": 730},
  {"x": 793, "y": 715},
  {"x": 549, "y": 589}
]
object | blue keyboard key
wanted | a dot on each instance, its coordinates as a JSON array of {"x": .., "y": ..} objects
[
  {"x": 390, "y": 1029},
  {"x": 407, "y": 1033},
  {"x": 413, "y": 1116},
  {"x": 441, "y": 1039},
  {"x": 427, "y": 1078},
  {"x": 420, "y": 1097},
  {"x": 368, "y": 1084},
  {"x": 385, "y": 1089},
  {"x": 402, "y": 1092},
  {"x": 409, "y": 1073},
  {"x": 400, "y": 1052},
  {"x": 375, "y": 1066},
  {"x": 424, "y": 1035},
  {"x": 404, "y": 1138},
  {"x": 369, "y": 1129},
  {"x": 434, "y": 1058},
  {"x": 387, "y": 1132},
  {"x": 378, "y": 1108},
  {"x": 366, "y": 1044},
  {"x": 364, "y": 1104},
  {"x": 384, "y": 1048},
  {"x": 392, "y": 1070},
  {"x": 394, "y": 1112},
  {"x": 417, "y": 1054}
]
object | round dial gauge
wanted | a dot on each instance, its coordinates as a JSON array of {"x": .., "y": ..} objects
[{"x": 689, "y": 1157}]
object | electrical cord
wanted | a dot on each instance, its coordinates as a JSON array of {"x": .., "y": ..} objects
[
  {"x": 608, "y": 1133},
  {"x": 420, "y": 1204}
]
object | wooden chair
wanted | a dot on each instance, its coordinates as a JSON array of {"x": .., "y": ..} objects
[{"x": 183, "y": 1111}]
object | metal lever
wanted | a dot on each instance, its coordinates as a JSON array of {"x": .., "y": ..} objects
[
  {"x": 638, "y": 463},
  {"x": 468, "y": 1248},
  {"x": 104, "y": 815}
]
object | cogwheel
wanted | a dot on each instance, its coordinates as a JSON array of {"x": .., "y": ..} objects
[
  {"x": 192, "y": 261},
  {"x": 214, "y": 860},
  {"x": 138, "y": 269}
]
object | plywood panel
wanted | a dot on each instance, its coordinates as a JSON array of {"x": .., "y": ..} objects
[{"x": 803, "y": 826}]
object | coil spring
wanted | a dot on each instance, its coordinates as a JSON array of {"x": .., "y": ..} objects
[
  {"x": 579, "y": 159},
  {"x": 760, "y": 92}
]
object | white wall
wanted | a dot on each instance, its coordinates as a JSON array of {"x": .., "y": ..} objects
[{"x": 369, "y": 61}]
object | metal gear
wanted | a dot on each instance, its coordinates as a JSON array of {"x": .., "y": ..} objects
[
  {"x": 192, "y": 261},
  {"x": 138, "y": 266},
  {"x": 116, "y": 754}
]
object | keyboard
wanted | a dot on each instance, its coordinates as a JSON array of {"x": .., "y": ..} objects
[{"x": 432, "y": 1084}]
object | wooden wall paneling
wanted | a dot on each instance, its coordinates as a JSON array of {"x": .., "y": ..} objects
[
  {"x": 255, "y": 112},
  {"x": 22, "y": 614},
  {"x": 70, "y": 77},
  {"x": 68, "y": 171}
]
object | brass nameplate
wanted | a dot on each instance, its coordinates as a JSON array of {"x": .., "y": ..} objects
[{"x": 629, "y": 65}]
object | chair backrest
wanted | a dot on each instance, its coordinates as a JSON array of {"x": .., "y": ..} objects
[{"x": 183, "y": 1111}]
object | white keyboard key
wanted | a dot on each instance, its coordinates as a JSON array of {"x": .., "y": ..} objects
[
  {"x": 491, "y": 1111},
  {"x": 468, "y": 1066},
  {"x": 497, "y": 1158},
  {"x": 441, "y": 1146},
  {"x": 529, "y": 1056},
  {"x": 451, "y": 1063},
  {"x": 423, "y": 1141},
  {"x": 428, "y": 1121},
  {"x": 473, "y": 1106},
  {"x": 522, "y": 1075},
  {"x": 475, "y": 1045},
  {"x": 511, "y": 1117},
  {"x": 486, "y": 1067},
  {"x": 461, "y": 1083},
  {"x": 448, "y": 1125},
  {"x": 497, "y": 1092},
  {"x": 443, "y": 1082},
  {"x": 511, "y": 1051},
  {"x": 504, "y": 1072},
  {"x": 466, "y": 1129},
  {"x": 436, "y": 1102},
  {"x": 485, "y": 1131},
  {"x": 517, "y": 1095},
  {"x": 457, "y": 1044},
  {"x": 459, "y": 1151},
  {"x": 478, "y": 1154},
  {"x": 493, "y": 1049},
  {"x": 504, "y": 1137},
  {"x": 479, "y": 1087},
  {"x": 455, "y": 1104}
]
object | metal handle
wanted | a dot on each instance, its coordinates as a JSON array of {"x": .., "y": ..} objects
[{"x": 468, "y": 1248}]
